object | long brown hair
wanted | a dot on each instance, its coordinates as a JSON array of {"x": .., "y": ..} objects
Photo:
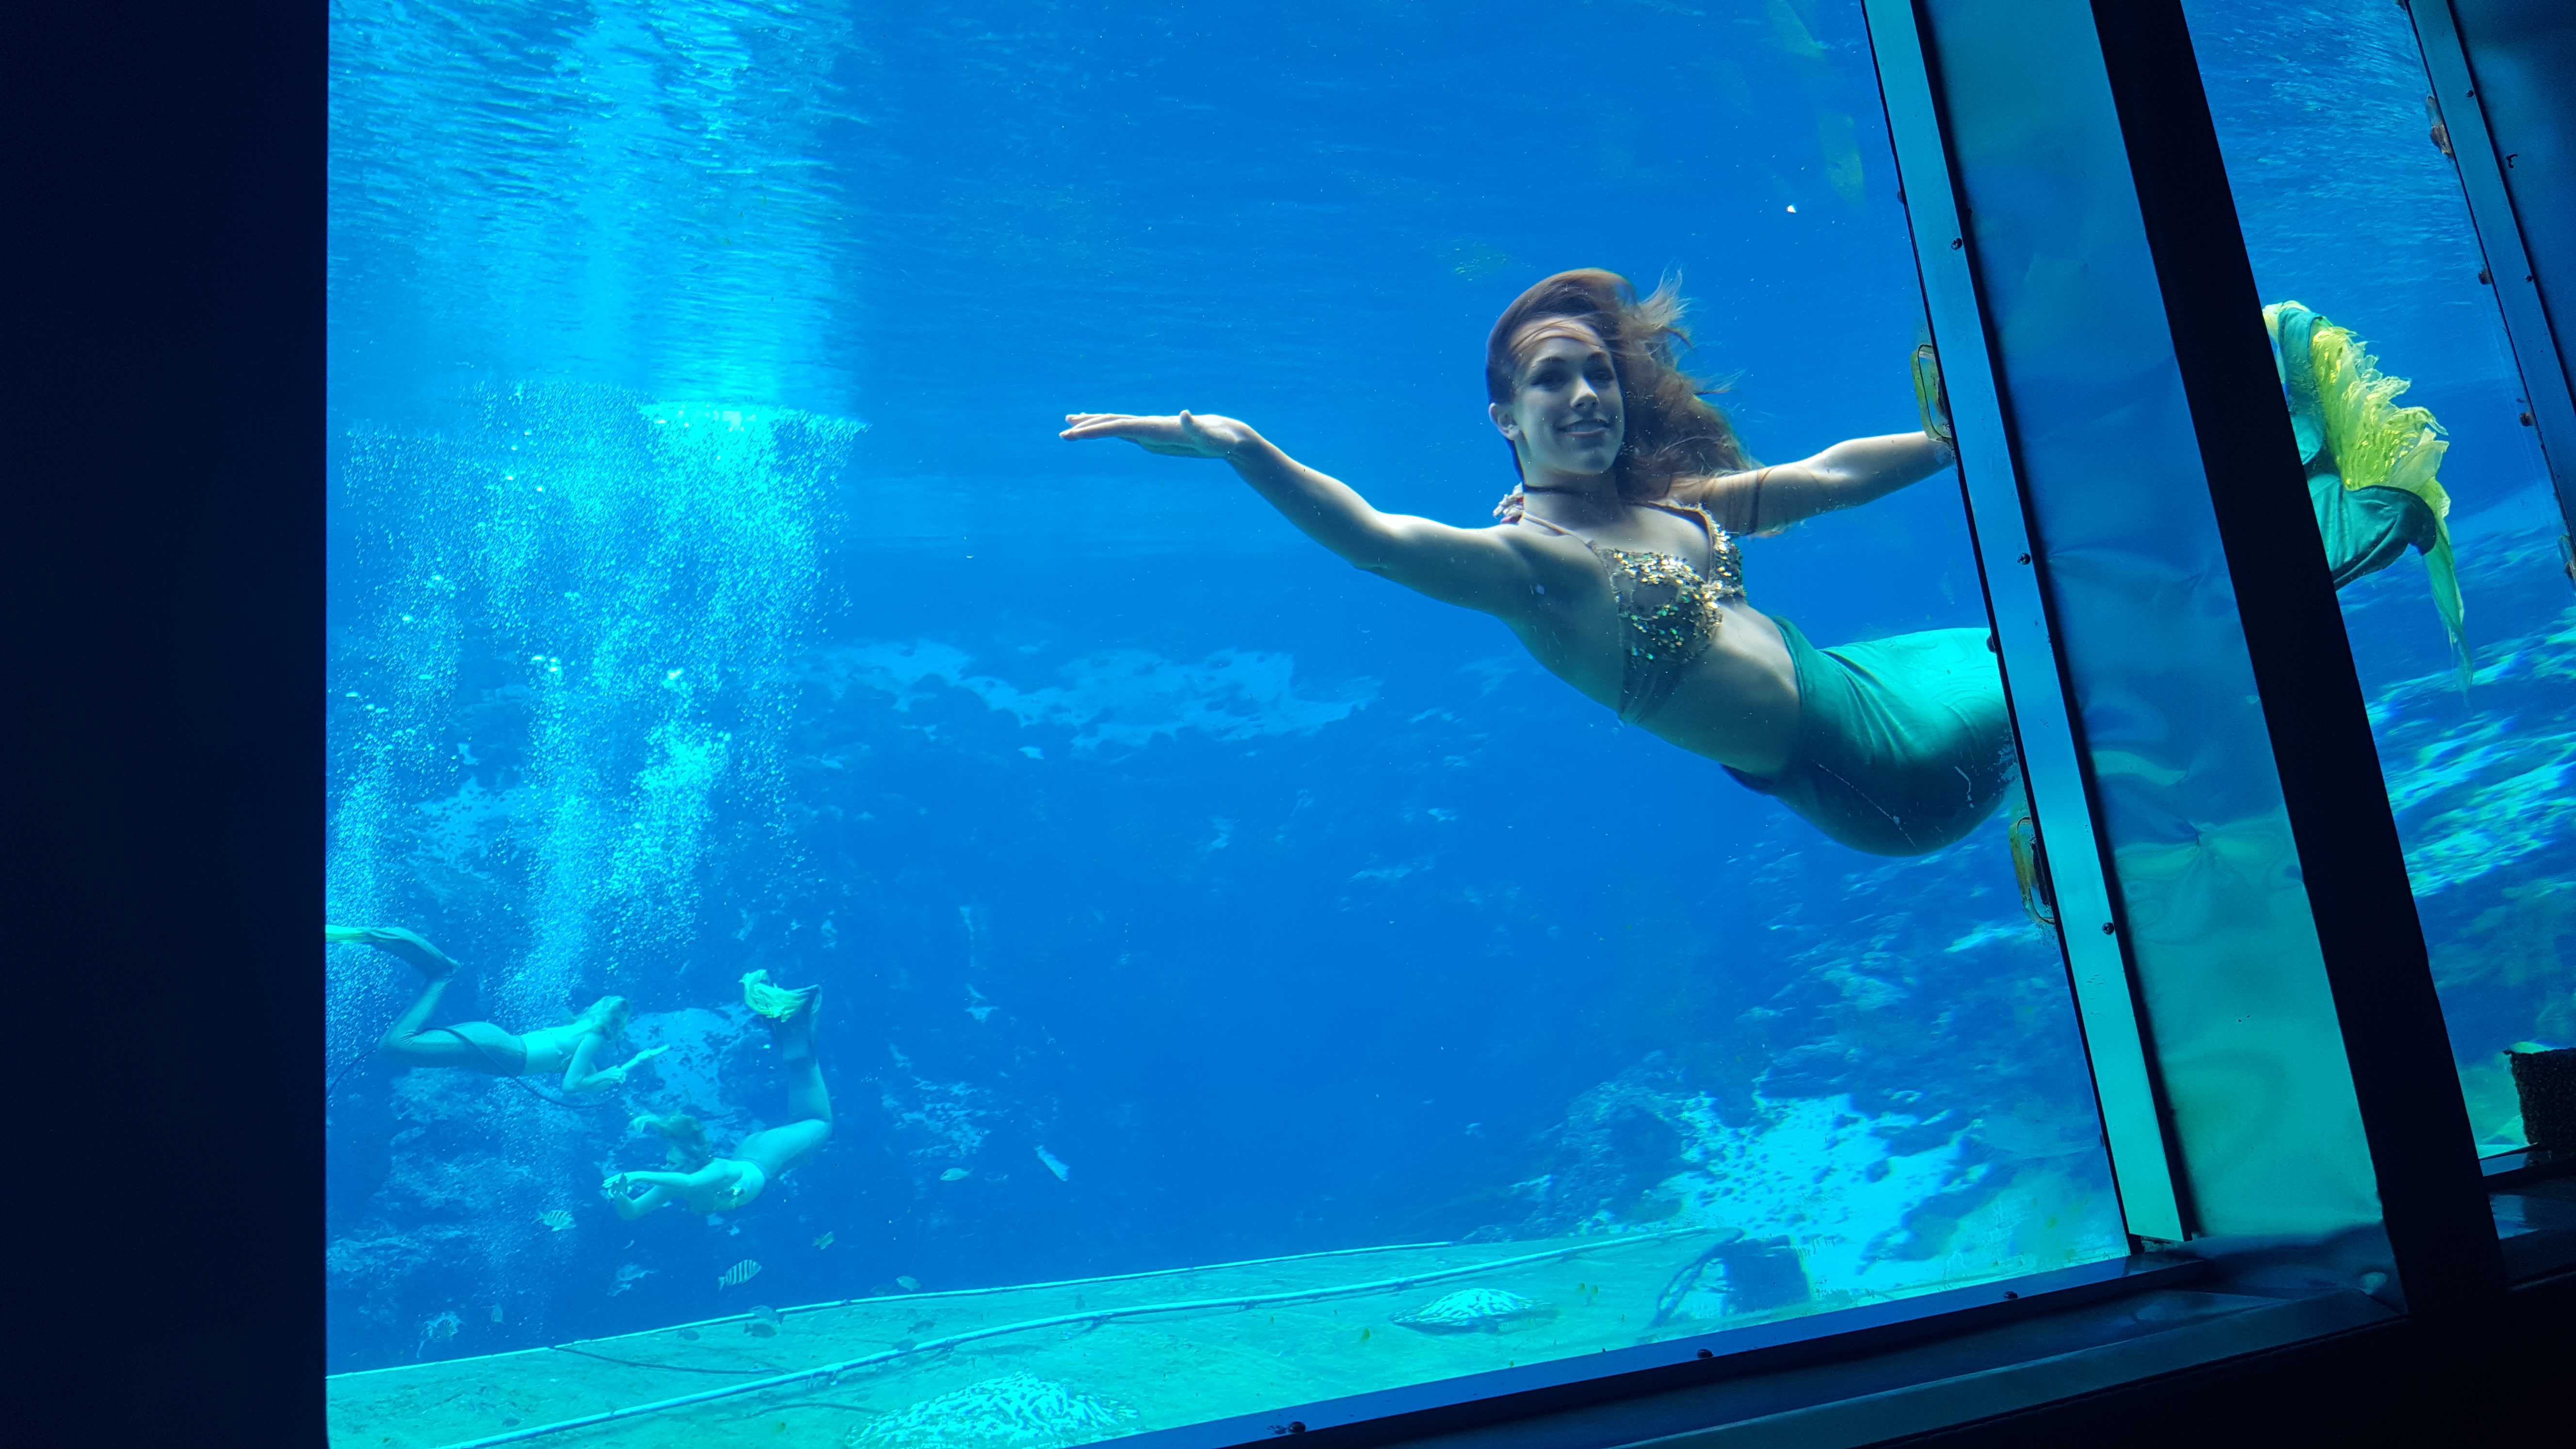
[
  {"x": 684, "y": 1139},
  {"x": 1673, "y": 431},
  {"x": 606, "y": 1016}
]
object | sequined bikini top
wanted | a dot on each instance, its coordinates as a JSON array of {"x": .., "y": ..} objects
[{"x": 1669, "y": 607}]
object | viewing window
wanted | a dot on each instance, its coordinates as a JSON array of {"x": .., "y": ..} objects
[{"x": 1245, "y": 980}]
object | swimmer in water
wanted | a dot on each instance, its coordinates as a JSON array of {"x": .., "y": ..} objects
[
  {"x": 710, "y": 1184},
  {"x": 1616, "y": 562},
  {"x": 572, "y": 1050}
]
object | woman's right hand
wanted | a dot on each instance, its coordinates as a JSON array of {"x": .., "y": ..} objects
[{"x": 1186, "y": 435}]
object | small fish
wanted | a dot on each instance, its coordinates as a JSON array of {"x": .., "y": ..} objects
[
  {"x": 922, "y": 1325},
  {"x": 824, "y": 1241},
  {"x": 1055, "y": 1165},
  {"x": 690, "y": 1334},
  {"x": 496, "y": 1313},
  {"x": 739, "y": 1274},
  {"x": 904, "y": 1345},
  {"x": 555, "y": 1218},
  {"x": 908, "y": 1285},
  {"x": 764, "y": 1322},
  {"x": 955, "y": 1174}
]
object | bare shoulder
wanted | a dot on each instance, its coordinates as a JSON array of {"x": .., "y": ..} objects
[
  {"x": 1733, "y": 499},
  {"x": 1546, "y": 553}
]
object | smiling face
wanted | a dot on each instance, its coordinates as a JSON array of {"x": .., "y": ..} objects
[{"x": 1565, "y": 418}]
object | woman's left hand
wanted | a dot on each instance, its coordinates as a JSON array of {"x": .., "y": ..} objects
[{"x": 1186, "y": 435}]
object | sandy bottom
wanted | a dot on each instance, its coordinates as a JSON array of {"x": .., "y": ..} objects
[{"x": 1048, "y": 1384}]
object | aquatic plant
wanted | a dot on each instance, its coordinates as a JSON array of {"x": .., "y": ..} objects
[{"x": 1015, "y": 1411}]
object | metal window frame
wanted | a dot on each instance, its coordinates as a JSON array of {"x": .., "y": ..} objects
[
  {"x": 2044, "y": 718},
  {"x": 2346, "y": 837},
  {"x": 2351, "y": 867},
  {"x": 2515, "y": 280},
  {"x": 2423, "y": 1152}
]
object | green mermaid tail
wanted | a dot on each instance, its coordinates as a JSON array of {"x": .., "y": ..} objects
[
  {"x": 1904, "y": 744},
  {"x": 2370, "y": 463}
]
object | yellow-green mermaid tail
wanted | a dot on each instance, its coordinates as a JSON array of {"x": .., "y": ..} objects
[
  {"x": 2370, "y": 462},
  {"x": 778, "y": 1003}
]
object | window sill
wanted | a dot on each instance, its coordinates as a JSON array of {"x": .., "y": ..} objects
[{"x": 1848, "y": 1378}]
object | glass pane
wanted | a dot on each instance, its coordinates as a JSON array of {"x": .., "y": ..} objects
[
  {"x": 1198, "y": 919},
  {"x": 2351, "y": 207}
]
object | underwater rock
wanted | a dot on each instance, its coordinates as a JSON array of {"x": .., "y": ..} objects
[
  {"x": 386, "y": 1256},
  {"x": 1124, "y": 698},
  {"x": 1015, "y": 1411},
  {"x": 1617, "y": 1140},
  {"x": 1474, "y": 1310},
  {"x": 1827, "y": 1194}
]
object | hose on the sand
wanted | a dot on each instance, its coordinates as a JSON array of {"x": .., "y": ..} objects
[{"x": 832, "y": 1371}]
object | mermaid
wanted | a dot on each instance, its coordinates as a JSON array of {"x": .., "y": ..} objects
[
  {"x": 706, "y": 1183},
  {"x": 1616, "y": 561},
  {"x": 2370, "y": 463},
  {"x": 572, "y": 1049}
]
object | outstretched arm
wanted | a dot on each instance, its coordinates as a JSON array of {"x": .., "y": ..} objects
[
  {"x": 1473, "y": 568},
  {"x": 661, "y": 1187},
  {"x": 584, "y": 1074},
  {"x": 1846, "y": 475},
  {"x": 633, "y": 1206}
]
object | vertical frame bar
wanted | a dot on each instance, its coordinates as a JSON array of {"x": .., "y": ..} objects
[
  {"x": 2043, "y": 714},
  {"x": 2353, "y": 869},
  {"x": 2509, "y": 266}
]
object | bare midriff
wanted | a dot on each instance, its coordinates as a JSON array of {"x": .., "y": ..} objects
[
  {"x": 550, "y": 1048},
  {"x": 1737, "y": 703}
]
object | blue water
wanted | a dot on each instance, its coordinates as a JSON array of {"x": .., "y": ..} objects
[{"x": 711, "y": 594}]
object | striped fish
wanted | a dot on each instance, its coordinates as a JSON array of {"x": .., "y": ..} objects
[
  {"x": 739, "y": 1274},
  {"x": 555, "y": 1218}
]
